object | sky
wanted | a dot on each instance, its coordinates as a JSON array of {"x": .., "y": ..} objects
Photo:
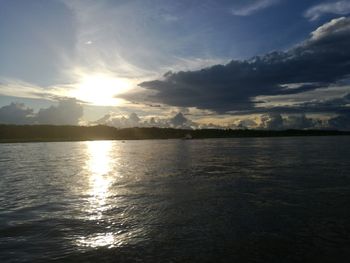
[{"x": 267, "y": 64}]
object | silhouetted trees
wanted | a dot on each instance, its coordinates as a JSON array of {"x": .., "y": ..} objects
[{"x": 9, "y": 133}]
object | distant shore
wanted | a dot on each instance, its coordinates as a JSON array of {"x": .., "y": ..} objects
[{"x": 55, "y": 133}]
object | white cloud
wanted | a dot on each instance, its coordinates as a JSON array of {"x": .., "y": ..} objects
[
  {"x": 133, "y": 120},
  {"x": 254, "y": 7},
  {"x": 67, "y": 112},
  {"x": 336, "y": 26},
  {"x": 337, "y": 7},
  {"x": 16, "y": 113},
  {"x": 272, "y": 121},
  {"x": 186, "y": 64},
  {"x": 21, "y": 89}
]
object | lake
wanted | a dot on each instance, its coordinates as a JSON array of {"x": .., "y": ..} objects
[{"x": 213, "y": 200}]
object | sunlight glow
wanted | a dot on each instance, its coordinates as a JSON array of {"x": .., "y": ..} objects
[{"x": 100, "y": 89}]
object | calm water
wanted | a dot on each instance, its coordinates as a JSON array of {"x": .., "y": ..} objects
[{"x": 242, "y": 200}]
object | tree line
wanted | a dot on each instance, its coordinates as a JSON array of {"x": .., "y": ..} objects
[{"x": 14, "y": 133}]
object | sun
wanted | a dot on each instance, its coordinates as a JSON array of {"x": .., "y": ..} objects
[{"x": 101, "y": 89}]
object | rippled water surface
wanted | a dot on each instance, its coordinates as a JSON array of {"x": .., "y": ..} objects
[{"x": 223, "y": 200}]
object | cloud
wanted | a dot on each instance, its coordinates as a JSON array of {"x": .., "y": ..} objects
[
  {"x": 272, "y": 121},
  {"x": 254, "y": 7},
  {"x": 21, "y": 89},
  {"x": 332, "y": 30},
  {"x": 178, "y": 120},
  {"x": 338, "y": 105},
  {"x": 321, "y": 60},
  {"x": 340, "y": 122},
  {"x": 299, "y": 122},
  {"x": 16, "y": 113},
  {"x": 133, "y": 120},
  {"x": 323, "y": 99},
  {"x": 338, "y": 8},
  {"x": 67, "y": 112},
  {"x": 275, "y": 121},
  {"x": 246, "y": 124}
]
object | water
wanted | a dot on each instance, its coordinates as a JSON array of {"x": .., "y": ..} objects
[{"x": 222, "y": 200}]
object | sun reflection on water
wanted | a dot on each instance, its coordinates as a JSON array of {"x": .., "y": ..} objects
[
  {"x": 107, "y": 228},
  {"x": 99, "y": 240},
  {"x": 99, "y": 166},
  {"x": 99, "y": 157},
  {"x": 99, "y": 169}
]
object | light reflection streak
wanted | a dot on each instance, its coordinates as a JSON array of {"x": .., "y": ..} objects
[
  {"x": 99, "y": 168},
  {"x": 102, "y": 173},
  {"x": 100, "y": 240},
  {"x": 108, "y": 239}
]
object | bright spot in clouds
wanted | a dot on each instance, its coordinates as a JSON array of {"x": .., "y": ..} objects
[{"x": 100, "y": 89}]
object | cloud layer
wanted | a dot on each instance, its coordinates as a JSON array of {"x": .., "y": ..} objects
[
  {"x": 253, "y": 7},
  {"x": 133, "y": 120},
  {"x": 275, "y": 121},
  {"x": 16, "y": 113},
  {"x": 319, "y": 61},
  {"x": 67, "y": 112},
  {"x": 334, "y": 7}
]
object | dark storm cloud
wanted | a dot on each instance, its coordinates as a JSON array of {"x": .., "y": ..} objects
[{"x": 322, "y": 59}]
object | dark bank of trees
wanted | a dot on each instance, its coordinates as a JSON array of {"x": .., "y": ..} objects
[{"x": 18, "y": 133}]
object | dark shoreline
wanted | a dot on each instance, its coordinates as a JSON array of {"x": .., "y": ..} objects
[{"x": 55, "y": 133}]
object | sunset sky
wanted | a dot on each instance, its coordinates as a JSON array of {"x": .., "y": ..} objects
[{"x": 270, "y": 64}]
